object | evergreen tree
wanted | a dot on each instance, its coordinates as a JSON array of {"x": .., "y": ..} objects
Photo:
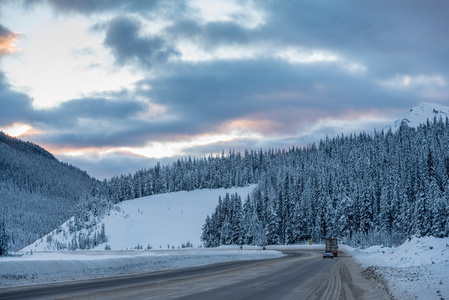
[
  {"x": 422, "y": 212},
  {"x": 206, "y": 235},
  {"x": 4, "y": 239},
  {"x": 272, "y": 231},
  {"x": 238, "y": 231},
  {"x": 366, "y": 213},
  {"x": 439, "y": 218}
]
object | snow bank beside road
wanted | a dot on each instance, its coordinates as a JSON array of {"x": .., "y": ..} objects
[
  {"x": 45, "y": 267},
  {"x": 418, "y": 269}
]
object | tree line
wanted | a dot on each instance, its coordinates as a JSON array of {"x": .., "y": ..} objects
[{"x": 363, "y": 189}]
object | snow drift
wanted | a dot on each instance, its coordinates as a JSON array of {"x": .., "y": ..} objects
[{"x": 418, "y": 269}]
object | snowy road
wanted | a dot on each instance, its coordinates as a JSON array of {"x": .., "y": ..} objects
[{"x": 298, "y": 275}]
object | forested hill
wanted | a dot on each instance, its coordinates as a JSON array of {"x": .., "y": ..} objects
[
  {"x": 38, "y": 193},
  {"x": 363, "y": 189},
  {"x": 24, "y": 146}
]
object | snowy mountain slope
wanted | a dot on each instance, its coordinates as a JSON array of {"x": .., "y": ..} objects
[
  {"x": 159, "y": 221},
  {"x": 420, "y": 114}
]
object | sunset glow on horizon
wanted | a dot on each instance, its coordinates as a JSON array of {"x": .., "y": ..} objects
[{"x": 113, "y": 85}]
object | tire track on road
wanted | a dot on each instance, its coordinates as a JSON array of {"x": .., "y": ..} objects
[{"x": 337, "y": 283}]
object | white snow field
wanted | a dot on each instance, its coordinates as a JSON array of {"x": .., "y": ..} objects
[
  {"x": 418, "y": 269},
  {"x": 162, "y": 221}
]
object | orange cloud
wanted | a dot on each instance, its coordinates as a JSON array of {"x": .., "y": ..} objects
[
  {"x": 282, "y": 121},
  {"x": 254, "y": 125},
  {"x": 7, "y": 43},
  {"x": 73, "y": 151}
]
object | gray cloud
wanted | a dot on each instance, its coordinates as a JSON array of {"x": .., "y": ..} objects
[
  {"x": 94, "y": 108},
  {"x": 5, "y": 32},
  {"x": 210, "y": 94},
  {"x": 92, "y": 6},
  {"x": 122, "y": 37},
  {"x": 399, "y": 37},
  {"x": 212, "y": 34},
  {"x": 106, "y": 166},
  {"x": 93, "y": 122},
  {"x": 88, "y": 7},
  {"x": 409, "y": 37},
  {"x": 86, "y": 122},
  {"x": 15, "y": 106}
]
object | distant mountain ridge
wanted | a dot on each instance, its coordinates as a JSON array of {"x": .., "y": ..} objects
[{"x": 420, "y": 114}]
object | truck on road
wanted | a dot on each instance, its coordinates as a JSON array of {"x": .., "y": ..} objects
[{"x": 331, "y": 249}]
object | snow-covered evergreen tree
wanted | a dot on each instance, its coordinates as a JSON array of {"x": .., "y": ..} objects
[{"x": 4, "y": 239}]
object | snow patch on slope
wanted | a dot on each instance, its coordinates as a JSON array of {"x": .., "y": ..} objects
[
  {"x": 420, "y": 114},
  {"x": 159, "y": 221},
  {"x": 418, "y": 269}
]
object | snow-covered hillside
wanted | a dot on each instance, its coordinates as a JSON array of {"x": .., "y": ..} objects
[
  {"x": 420, "y": 114},
  {"x": 161, "y": 221}
]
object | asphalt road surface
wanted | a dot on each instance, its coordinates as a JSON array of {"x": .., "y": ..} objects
[{"x": 297, "y": 275}]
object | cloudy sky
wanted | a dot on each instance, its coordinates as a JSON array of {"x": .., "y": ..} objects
[{"x": 112, "y": 86}]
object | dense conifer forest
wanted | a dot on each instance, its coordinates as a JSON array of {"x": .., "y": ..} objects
[{"x": 361, "y": 189}]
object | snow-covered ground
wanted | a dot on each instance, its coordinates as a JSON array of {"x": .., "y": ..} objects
[
  {"x": 54, "y": 266},
  {"x": 166, "y": 220},
  {"x": 418, "y": 269}
]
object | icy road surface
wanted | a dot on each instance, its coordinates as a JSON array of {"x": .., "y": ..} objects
[{"x": 299, "y": 274}]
